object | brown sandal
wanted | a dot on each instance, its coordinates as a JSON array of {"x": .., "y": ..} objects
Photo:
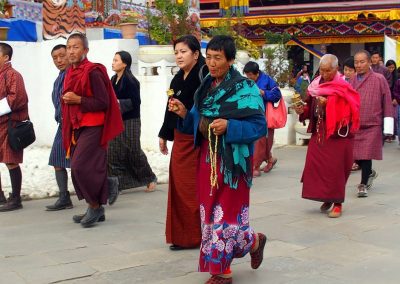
[
  {"x": 258, "y": 255},
  {"x": 216, "y": 279},
  {"x": 270, "y": 165}
]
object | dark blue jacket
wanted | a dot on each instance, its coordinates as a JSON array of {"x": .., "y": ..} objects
[{"x": 272, "y": 93}]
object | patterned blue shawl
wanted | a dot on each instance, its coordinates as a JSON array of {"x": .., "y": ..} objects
[{"x": 235, "y": 98}]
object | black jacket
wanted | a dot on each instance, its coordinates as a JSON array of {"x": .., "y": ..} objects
[
  {"x": 184, "y": 91},
  {"x": 128, "y": 94}
]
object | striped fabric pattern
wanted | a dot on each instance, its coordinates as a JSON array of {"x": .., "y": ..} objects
[
  {"x": 56, "y": 95},
  {"x": 126, "y": 159},
  {"x": 57, "y": 154}
]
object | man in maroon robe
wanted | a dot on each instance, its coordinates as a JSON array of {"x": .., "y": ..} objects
[
  {"x": 380, "y": 68},
  {"x": 91, "y": 118},
  {"x": 333, "y": 110},
  {"x": 376, "y": 113},
  {"x": 14, "y": 106}
]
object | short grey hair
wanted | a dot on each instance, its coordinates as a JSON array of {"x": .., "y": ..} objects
[
  {"x": 80, "y": 36},
  {"x": 332, "y": 59}
]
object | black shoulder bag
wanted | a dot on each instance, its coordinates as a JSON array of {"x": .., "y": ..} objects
[{"x": 20, "y": 133}]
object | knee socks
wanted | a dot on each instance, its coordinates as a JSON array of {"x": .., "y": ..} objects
[
  {"x": 16, "y": 181},
  {"x": 62, "y": 180}
]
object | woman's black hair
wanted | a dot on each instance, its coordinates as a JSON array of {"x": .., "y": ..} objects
[
  {"x": 224, "y": 43},
  {"x": 251, "y": 67},
  {"x": 191, "y": 41},
  {"x": 391, "y": 62},
  {"x": 194, "y": 45},
  {"x": 349, "y": 62},
  {"x": 127, "y": 59}
]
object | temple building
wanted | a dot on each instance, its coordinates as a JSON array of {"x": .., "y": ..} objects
[{"x": 338, "y": 27}]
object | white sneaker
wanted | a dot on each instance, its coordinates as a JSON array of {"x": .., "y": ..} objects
[{"x": 362, "y": 191}]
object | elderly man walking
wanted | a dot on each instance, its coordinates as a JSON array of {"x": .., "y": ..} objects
[
  {"x": 376, "y": 113},
  {"x": 14, "y": 106},
  {"x": 91, "y": 118},
  {"x": 333, "y": 109}
]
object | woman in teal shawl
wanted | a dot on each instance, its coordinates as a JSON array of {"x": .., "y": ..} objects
[{"x": 227, "y": 117}]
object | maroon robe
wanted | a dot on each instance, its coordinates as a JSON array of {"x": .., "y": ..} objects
[
  {"x": 88, "y": 157},
  {"x": 183, "y": 213},
  {"x": 376, "y": 103},
  {"x": 11, "y": 87},
  {"x": 328, "y": 162}
]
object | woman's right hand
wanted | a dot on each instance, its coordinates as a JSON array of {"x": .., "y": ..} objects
[
  {"x": 177, "y": 107},
  {"x": 163, "y": 146},
  {"x": 299, "y": 109}
]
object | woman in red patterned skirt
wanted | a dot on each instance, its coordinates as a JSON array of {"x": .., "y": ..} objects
[{"x": 227, "y": 117}]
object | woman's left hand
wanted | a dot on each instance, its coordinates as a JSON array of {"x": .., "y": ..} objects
[{"x": 219, "y": 126}]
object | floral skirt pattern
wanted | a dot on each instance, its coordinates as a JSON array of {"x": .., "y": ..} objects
[{"x": 224, "y": 215}]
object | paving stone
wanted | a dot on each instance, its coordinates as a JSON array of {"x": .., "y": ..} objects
[
  {"x": 56, "y": 273},
  {"x": 304, "y": 245}
]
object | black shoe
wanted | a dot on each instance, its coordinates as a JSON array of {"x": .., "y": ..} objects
[
  {"x": 176, "y": 247},
  {"x": 78, "y": 218},
  {"x": 113, "y": 190},
  {"x": 13, "y": 203},
  {"x": 3, "y": 199},
  {"x": 63, "y": 202},
  {"x": 92, "y": 216}
]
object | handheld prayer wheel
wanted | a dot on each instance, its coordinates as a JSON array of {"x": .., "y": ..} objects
[
  {"x": 296, "y": 100},
  {"x": 170, "y": 93}
]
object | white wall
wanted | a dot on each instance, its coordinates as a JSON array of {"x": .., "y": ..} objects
[{"x": 34, "y": 62}]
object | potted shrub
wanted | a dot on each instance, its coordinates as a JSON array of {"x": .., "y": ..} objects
[
  {"x": 128, "y": 25},
  {"x": 3, "y": 14},
  {"x": 246, "y": 48},
  {"x": 5, "y": 9},
  {"x": 170, "y": 21}
]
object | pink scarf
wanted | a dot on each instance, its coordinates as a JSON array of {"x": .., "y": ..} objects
[{"x": 343, "y": 103}]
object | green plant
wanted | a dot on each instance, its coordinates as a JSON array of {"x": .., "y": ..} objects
[
  {"x": 277, "y": 64},
  {"x": 226, "y": 27},
  {"x": 2, "y": 4},
  {"x": 129, "y": 17},
  {"x": 277, "y": 38},
  {"x": 170, "y": 22}
]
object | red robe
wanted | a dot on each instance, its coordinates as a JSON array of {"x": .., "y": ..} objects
[
  {"x": 329, "y": 157},
  {"x": 89, "y": 146},
  {"x": 77, "y": 81},
  {"x": 11, "y": 87}
]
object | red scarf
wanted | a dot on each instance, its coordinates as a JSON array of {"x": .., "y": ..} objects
[
  {"x": 77, "y": 81},
  {"x": 343, "y": 103}
]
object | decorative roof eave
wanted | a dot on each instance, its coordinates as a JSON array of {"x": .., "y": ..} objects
[
  {"x": 339, "y": 39},
  {"x": 381, "y": 14}
]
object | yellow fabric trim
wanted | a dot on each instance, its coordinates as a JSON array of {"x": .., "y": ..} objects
[
  {"x": 393, "y": 14},
  {"x": 355, "y": 39},
  {"x": 226, "y": 4}
]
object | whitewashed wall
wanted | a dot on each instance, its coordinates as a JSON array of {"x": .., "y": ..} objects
[{"x": 34, "y": 62}]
